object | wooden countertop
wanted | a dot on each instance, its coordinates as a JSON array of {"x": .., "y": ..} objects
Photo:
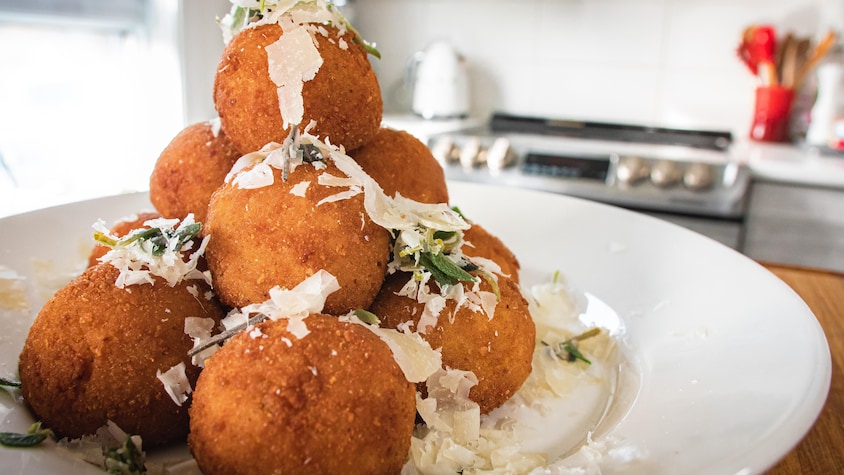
[{"x": 822, "y": 450}]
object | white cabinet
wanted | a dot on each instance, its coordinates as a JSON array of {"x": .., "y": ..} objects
[{"x": 796, "y": 224}]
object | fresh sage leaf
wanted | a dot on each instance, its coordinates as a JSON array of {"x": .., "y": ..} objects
[
  {"x": 568, "y": 350},
  {"x": 34, "y": 436},
  {"x": 573, "y": 353},
  {"x": 128, "y": 458},
  {"x": 13, "y": 439},
  {"x": 367, "y": 317},
  {"x": 9, "y": 383},
  {"x": 444, "y": 270}
]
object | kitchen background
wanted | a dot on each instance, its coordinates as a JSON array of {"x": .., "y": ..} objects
[
  {"x": 659, "y": 62},
  {"x": 92, "y": 91}
]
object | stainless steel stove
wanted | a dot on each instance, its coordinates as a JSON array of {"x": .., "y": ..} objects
[{"x": 685, "y": 176}]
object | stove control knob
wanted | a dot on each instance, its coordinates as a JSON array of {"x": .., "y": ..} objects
[
  {"x": 471, "y": 154},
  {"x": 499, "y": 154},
  {"x": 665, "y": 174},
  {"x": 631, "y": 169},
  {"x": 698, "y": 177},
  {"x": 444, "y": 150}
]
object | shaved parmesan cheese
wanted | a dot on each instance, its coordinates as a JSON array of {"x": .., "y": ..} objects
[
  {"x": 351, "y": 192},
  {"x": 302, "y": 12},
  {"x": 414, "y": 355},
  {"x": 216, "y": 126},
  {"x": 297, "y": 327},
  {"x": 250, "y": 3},
  {"x": 514, "y": 437},
  {"x": 488, "y": 303},
  {"x": 397, "y": 212},
  {"x": 327, "y": 179},
  {"x": 487, "y": 264},
  {"x": 293, "y": 59},
  {"x": 248, "y": 160},
  {"x": 452, "y": 411},
  {"x": 259, "y": 176},
  {"x": 431, "y": 313},
  {"x": 234, "y": 319},
  {"x": 294, "y": 304},
  {"x": 175, "y": 383},
  {"x": 199, "y": 330},
  {"x": 299, "y": 189},
  {"x": 433, "y": 303},
  {"x": 193, "y": 290},
  {"x": 107, "y": 449},
  {"x": 138, "y": 264},
  {"x": 306, "y": 298}
]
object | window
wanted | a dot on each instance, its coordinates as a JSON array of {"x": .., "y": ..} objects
[{"x": 90, "y": 93}]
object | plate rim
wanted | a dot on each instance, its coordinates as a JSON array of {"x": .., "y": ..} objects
[{"x": 758, "y": 459}]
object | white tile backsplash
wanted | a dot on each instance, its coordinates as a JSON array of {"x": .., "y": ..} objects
[
  {"x": 610, "y": 31},
  {"x": 662, "y": 62}
]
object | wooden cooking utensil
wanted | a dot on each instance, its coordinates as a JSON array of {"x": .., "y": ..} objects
[
  {"x": 814, "y": 58},
  {"x": 779, "y": 54},
  {"x": 789, "y": 64}
]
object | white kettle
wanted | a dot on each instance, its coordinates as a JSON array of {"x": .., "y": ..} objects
[{"x": 440, "y": 83}]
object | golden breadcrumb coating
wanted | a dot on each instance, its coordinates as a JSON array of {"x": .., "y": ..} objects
[
  {"x": 499, "y": 350},
  {"x": 343, "y": 98},
  {"x": 334, "y": 401},
  {"x": 399, "y": 162},
  {"x": 192, "y": 166},
  {"x": 270, "y": 236},
  {"x": 484, "y": 244},
  {"x": 94, "y": 350}
]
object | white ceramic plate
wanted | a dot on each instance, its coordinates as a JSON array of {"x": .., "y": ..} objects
[{"x": 730, "y": 366}]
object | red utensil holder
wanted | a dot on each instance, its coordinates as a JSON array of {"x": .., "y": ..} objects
[{"x": 771, "y": 114}]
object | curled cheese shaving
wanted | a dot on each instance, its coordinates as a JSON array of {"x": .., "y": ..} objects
[
  {"x": 176, "y": 383},
  {"x": 414, "y": 355}
]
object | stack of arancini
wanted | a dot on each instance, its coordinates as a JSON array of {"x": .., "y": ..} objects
[{"x": 334, "y": 400}]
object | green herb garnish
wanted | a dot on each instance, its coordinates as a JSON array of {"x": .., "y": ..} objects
[
  {"x": 444, "y": 270},
  {"x": 459, "y": 213},
  {"x": 158, "y": 238},
  {"x": 242, "y": 16},
  {"x": 367, "y": 46},
  {"x": 34, "y": 436},
  {"x": 492, "y": 283},
  {"x": 128, "y": 458},
  {"x": 367, "y": 317},
  {"x": 9, "y": 383},
  {"x": 568, "y": 350}
]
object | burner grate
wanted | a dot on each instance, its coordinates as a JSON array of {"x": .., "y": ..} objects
[{"x": 704, "y": 139}]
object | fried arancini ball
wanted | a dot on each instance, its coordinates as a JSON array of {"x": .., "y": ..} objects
[
  {"x": 121, "y": 228},
  {"x": 499, "y": 350},
  {"x": 482, "y": 243},
  {"x": 399, "y": 162},
  {"x": 343, "y": 98},
  {"x": 94, "y": 350},
  {"x": 334, "y": 401},
  {"x": 271, "y": 236},
  {"x": 192, "y": 166}
]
